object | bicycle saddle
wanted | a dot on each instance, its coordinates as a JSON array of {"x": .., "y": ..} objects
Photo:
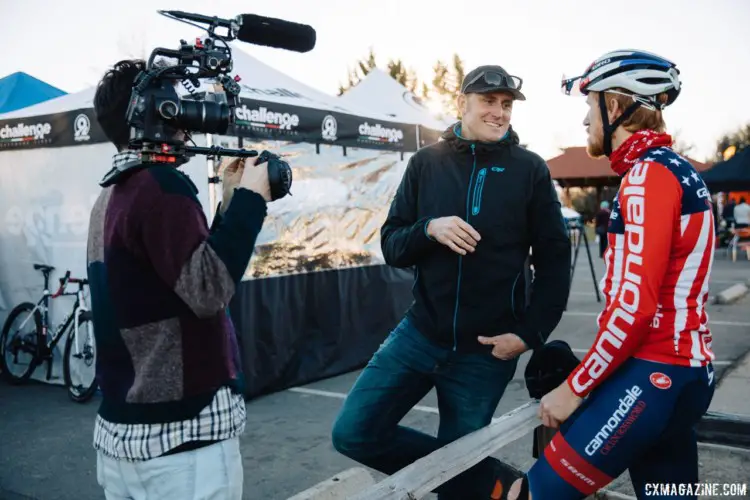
[{"x": 44, "y": 268}]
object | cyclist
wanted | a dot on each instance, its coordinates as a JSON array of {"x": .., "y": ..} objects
[{"x": 648, "y": 377}]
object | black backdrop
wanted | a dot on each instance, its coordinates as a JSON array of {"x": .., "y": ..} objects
[{"x": 300, "y": 328}]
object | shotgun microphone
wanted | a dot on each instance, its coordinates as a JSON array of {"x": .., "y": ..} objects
[
  {"x": 276, "y": 33},
  {"x": 258, "y": 30}
]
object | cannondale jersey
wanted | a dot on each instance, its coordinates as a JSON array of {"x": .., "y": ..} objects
[{"x": 661, "y": 247}]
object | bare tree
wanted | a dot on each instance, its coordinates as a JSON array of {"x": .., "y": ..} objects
[
  {"x": 361, "y": 69},
  {"x": 738, "y": 139},
  {"x": 680, "y": 145}
]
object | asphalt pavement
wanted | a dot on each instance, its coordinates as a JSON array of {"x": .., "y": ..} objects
[{"x": 45, "y": 439}]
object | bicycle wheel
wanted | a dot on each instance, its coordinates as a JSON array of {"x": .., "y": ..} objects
[
  {"x": 20, "y": 342},
  {"x": 79, "y": 360}
]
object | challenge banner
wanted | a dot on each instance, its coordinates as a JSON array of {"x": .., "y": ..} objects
[
  {"x": 70, "y": 128},
  {"x": 260, "y": 119},
  {"x": 253, "y": 119},
  {"x": 360, "y": 132}
]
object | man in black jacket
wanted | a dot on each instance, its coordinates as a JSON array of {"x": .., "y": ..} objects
[{"x": 468, "y": 211}]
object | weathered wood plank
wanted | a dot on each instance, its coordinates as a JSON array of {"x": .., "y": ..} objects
[
  {"x": 340, "y": 487},
  {"x": 426, "y": 474}
]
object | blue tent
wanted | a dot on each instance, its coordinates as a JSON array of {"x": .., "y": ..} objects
[
  {"x": 730, "y": 175},
  {"x": 19, "y": 90}
]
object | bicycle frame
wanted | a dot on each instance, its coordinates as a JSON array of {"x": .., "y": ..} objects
[{"x": 79, "y": 308}]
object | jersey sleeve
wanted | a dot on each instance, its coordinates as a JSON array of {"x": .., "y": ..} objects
[{"x": 650, "y": 203}]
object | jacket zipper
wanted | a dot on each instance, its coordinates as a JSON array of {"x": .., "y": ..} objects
[
  {"x": 477, "y": 204},
  {"x": 460, "y": 258}
]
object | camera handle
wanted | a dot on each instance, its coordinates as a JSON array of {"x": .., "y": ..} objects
[{"x": 219, "y": 151}]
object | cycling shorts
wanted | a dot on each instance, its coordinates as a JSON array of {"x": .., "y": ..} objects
[{"x": 641, "y": 419}]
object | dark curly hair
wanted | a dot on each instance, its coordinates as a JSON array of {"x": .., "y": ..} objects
[{"x": 112, "y": 98}]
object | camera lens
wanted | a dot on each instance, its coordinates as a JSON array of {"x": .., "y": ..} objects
[
  {"x": 202, "y": 116},
  {"x": 168, "y": 110}
]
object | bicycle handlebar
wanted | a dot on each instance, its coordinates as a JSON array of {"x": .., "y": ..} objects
[{"x": 67, "y": 279}]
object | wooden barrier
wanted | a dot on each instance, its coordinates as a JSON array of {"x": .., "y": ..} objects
[
  {"x": 420, "y": 478},
  {"x": 426, "y": 474},
  {"x": 342, "y": 486}
]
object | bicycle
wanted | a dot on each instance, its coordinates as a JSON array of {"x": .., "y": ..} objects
[{"x": 31, "y": 337}]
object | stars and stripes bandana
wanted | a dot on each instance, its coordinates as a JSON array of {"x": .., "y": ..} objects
[{"x": 633, "y": 148}]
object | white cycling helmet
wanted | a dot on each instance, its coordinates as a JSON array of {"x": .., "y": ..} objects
[{"x": 639, "y": 74}]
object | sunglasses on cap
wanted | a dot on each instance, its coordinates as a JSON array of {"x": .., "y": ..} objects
[{"x": 496, "y": 78}]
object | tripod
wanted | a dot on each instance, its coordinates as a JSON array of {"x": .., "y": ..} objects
[{"x": 576, "y": 225}]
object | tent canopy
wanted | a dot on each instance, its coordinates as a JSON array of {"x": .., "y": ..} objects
[
  {"x": 730, "y": 175},
  {"x": 379, "y": 91},
  {"x": 19, "y": 90},
  {"x": 258, "y": 81},
  {"x": 262, "y": 82}
]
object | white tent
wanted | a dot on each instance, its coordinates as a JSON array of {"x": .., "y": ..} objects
[
  {"x": 264, "y": 83},
  {"x": 379, "y": 91},
  {"x": 258, "y": 81}
]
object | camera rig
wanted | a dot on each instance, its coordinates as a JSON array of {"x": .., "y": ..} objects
[{"x": 160, "y": 120}]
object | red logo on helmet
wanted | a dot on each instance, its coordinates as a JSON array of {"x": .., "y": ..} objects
[{"x": 660, "y": 381}]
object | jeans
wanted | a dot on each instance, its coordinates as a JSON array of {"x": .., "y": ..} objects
[
  {"x": 213, "y": 472},
  {"x": 403, "y": 370}
]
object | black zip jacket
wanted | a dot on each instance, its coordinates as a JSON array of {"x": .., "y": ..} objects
[{"x": 506, "y": 193}]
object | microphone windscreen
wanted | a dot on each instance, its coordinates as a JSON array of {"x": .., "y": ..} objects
[{"x": 276, "y": 33}]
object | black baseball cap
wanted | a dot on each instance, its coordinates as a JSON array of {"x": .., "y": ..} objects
[
  {"x": 548, "y": 367},
  {"x": 492, "y": 78}
]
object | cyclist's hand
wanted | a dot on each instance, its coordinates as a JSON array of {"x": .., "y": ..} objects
[
  {"x": 255, "y": 178},
  {"x": 556, "y": 406},
  {"x": 455, "y": 233}
]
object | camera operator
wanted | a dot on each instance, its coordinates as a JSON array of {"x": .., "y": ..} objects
[{"x": 161, "y": 282}]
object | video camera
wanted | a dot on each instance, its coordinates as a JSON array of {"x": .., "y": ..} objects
[{"x": 160, "y": 120}]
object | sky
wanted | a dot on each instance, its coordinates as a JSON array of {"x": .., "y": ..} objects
[{"x": 69, "y": 45}]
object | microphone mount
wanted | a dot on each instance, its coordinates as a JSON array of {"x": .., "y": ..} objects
[{"x": 213, "y": 22}]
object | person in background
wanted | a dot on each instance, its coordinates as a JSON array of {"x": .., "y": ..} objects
[
  {"x": 715, "y": 211},
  {"x": 728, "y": 213},
  {"x": 465, "y": 216},
  {"x": 742, "y": 214},
  {"x": 601, "y": 225}
]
